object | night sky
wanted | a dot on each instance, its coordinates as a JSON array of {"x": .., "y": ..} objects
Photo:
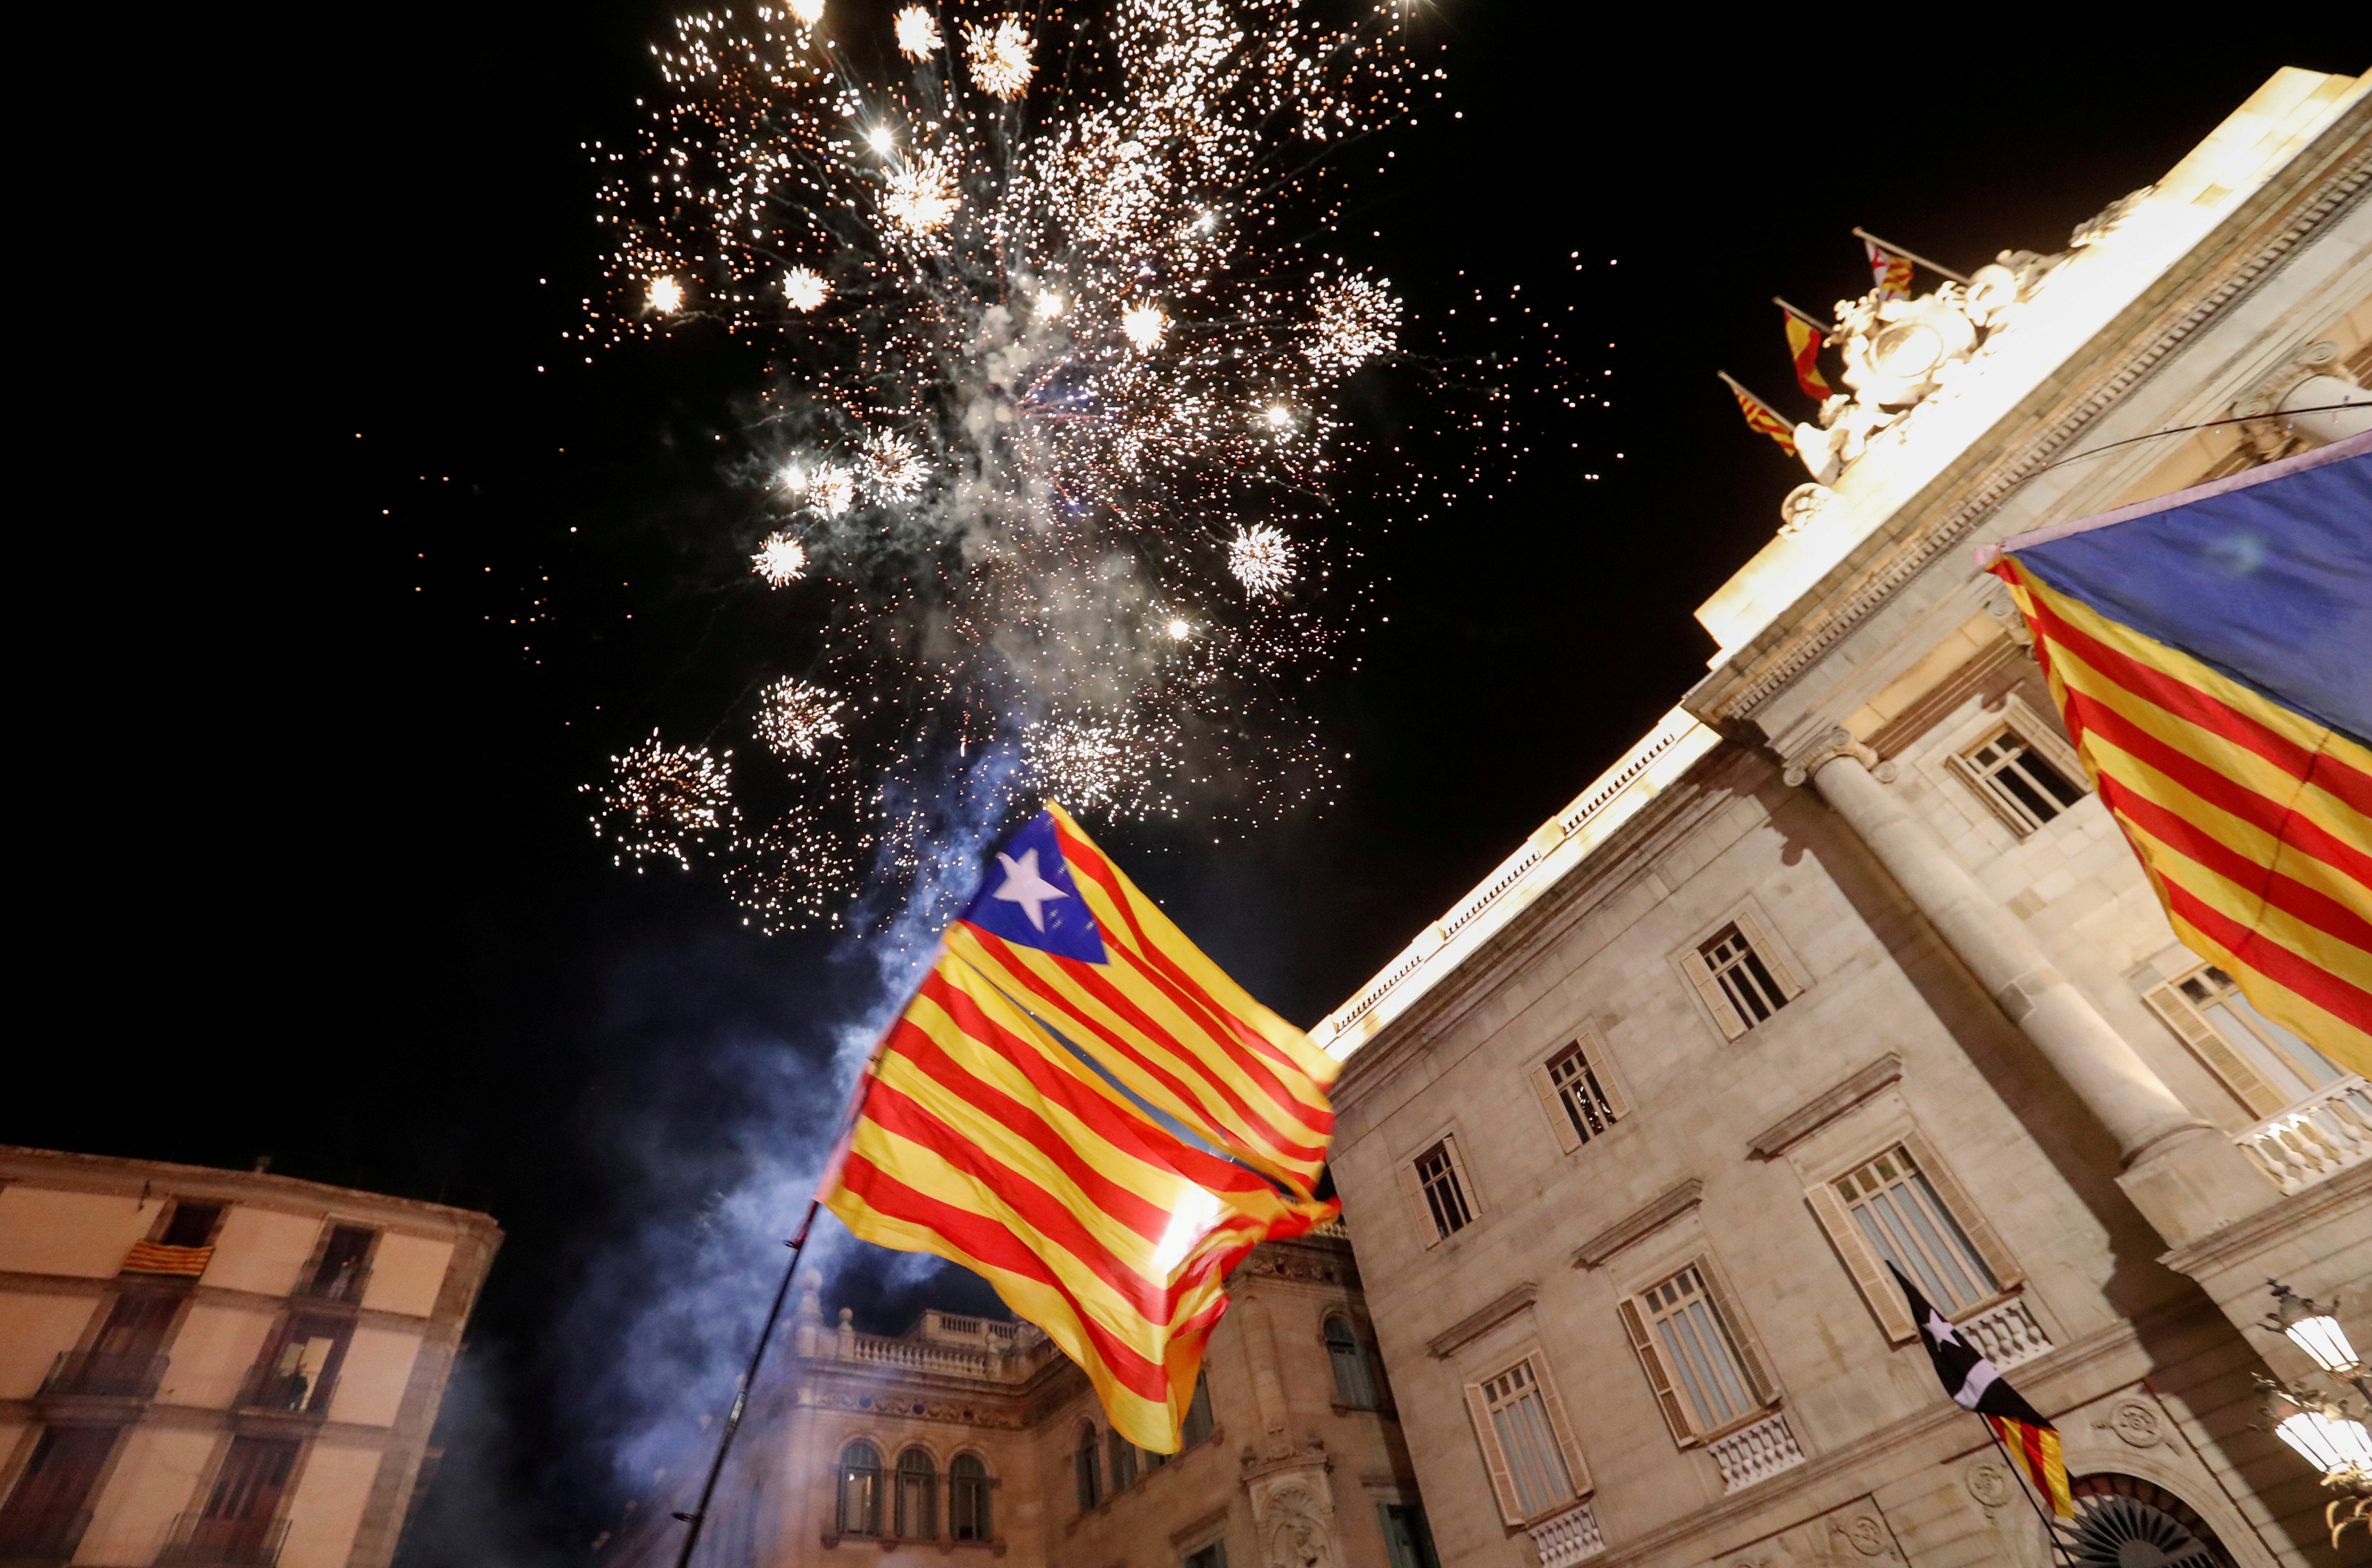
[{"x": 310, "y": 863}]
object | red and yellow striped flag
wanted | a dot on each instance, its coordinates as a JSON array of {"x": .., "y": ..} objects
[
  {"x": 2207, "y": 655},
  {"x": 156, "y": 1258},
  {"x": 1760, "y": 415},
  {"x": 2035, "y": 1446},
  {"x": 1804, "y": 341},
  {"x": 1891, "y": 272},
  {"x": 1082, "y": 1109}
]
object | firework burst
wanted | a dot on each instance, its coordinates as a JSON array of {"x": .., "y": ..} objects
[
  {"x": 664, "y": 802},
  {"x": 1058, "y": 412}
]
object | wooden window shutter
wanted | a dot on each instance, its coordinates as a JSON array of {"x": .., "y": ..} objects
[
  {"x": 1465, "y": 1183},
  {"x": 1552, "y": 1108},
  {"x": 1575, "y": 1467},
  {"x": 1653, "y": 1365},
  {"x": 1741, "y": 1332},
  {"x": 1618, "y": 1104},
  {"x": 1964, "y": 1208},
  {"x": 1503, "y": 1485},
  {"x": 1766, "y": 947},
  {"x": 1868, "y": 1270},
  {"x": 1419, "y": 1214},
  {"x": 2209, "y": 1045},
  {"x": 1724, "y": 1014}
]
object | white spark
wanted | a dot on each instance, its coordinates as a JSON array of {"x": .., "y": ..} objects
[
  {"x": 999, "y": 57},
  {"x": 1144, "y": 324},
  {"x": 1261, "y": 559},
  {"x": 918, "y": 33},
  {"x": 804, "y": 288},
  {"x": 781, "y": 560}
]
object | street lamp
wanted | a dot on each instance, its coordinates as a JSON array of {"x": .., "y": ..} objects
[{"x": 2322, "y": 1431}]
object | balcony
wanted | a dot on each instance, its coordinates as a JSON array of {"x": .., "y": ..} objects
[
  {"x": 288, "y": 1393},
  {"x": 2318, "y": 1137},
  {"x": 1756, "y": 1453},
  {"x": 1568, "y": 1538},
  {"x": 342, "y": 1285},
  {"x": 42, "y": 1535},
  {"x": 197, "y": 1541},
  {"x": 105, "y": 1375}
]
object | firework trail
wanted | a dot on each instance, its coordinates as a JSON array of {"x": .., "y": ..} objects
[{"x": 1060, "y": 352}]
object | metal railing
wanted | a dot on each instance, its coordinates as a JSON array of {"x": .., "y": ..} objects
[
  {"x": 41, "y": 1535},
  {"x": 105, "y": 1375},
  {"x": 291, "y": 1393},
  {"x": 2318, "y": 1137},
  {"x": 197, "y": 1541},
  {"x": 344, "y": 1284}
]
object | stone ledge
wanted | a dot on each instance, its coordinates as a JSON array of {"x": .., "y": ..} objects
[
  {"x": 1822, "y": 1109},
  {"x": 1478, "y": 1323},
  {"x": 1640, "y": 1222}
]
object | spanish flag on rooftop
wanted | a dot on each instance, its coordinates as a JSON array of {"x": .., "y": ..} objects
[
  {"x": 1085, "y": 1112},
  {"x": 2211, "y": 652}
]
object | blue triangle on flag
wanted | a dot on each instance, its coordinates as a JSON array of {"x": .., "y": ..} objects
[{"x": 1031, "y": 900}]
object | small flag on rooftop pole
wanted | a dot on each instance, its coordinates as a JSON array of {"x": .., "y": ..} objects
[
  {"x": 1082, "y": 1109},
  {"x": 2208, "y": 652},
  {"x": 1760, "y": 415},
  {"x": 2032, "y": 1442},
  {"x": 1805, "y": 337},
  {"x": 1891, "y": 272}
]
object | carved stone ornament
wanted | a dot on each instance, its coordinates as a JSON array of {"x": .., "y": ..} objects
[
  {"x": 1838, "y": 742},
  {"x": 1292, "y": 1513},
  {"x": 1863, "y": 1534},
  {"x": 2270, "y": 435},
  {"x": 1988, "y": 1484},
  {"x": 2136, "y": 1422},
  {"x": 2108, "y": 219},
  {"x": 1801, "y": 511}
]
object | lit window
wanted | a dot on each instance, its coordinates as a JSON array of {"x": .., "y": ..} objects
[
  {"x": 860, "y": 1491},
  {"x": 1445, "y": 1195},
  {"x": 2025, "y": 787},
  {"x": 1898, "y": 1212},
  {"x": 1579, "y": 1095},
  {"x": 1527, "y": 1445},
  {"x": 1742, "y": 977}
]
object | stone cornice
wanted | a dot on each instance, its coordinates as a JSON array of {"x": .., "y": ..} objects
[
  {"x": 1822, "y": 1109},
  {"x": 1639, "y": 1223},
  {"x": 2242, "y": 253},
  {"x": 2243, "y": 1237},
  {"x": 156, "y": 1180},
  {"x": 1475, "y": 1325},
  {"x": 1604, "y": 876}
]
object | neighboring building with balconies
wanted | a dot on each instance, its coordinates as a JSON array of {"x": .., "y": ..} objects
[
  {"x": 218, "y": 1370},
  {"x": 1845, "y": 966}
]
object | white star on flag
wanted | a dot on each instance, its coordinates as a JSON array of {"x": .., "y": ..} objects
[{"x": 1023, "y": 886}]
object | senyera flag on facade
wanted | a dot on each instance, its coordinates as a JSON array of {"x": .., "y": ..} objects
[
  {"x": 1082, "y": 1109},
  {"x": 2211, "y": 653}
]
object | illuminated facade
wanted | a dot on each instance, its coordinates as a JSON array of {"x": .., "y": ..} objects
[
  {"x": 1843, "y": 967},
  {"x": 218, "y": 1370},
  {"x": 969, "y": 1439}
]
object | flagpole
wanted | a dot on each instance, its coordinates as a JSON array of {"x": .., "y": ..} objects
[
  {"x": 1893, "y": 250},
  {"x": 1804, "y": 315},
  {"x": 1731, "y": 381},
  {"x": 2050, "y": 1535}
]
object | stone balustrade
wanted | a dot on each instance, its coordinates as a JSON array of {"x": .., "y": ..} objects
[
  {"x": 2005, "y": 1333},
  {"x": 1565, "y": 1538},
  {"x": 2319, "y": 1137},
  {"x": 1756, "y": 1453}
]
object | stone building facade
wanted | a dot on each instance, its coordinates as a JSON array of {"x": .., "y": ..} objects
[
  {"x": 1843, "y": 966},
  {"x": 967, "y": 1437},
  {"x": 218, "y": 1370}
]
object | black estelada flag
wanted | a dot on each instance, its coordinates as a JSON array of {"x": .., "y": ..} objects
[{"x": 1974, "y": 1384}]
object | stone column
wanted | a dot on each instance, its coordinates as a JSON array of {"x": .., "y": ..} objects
[{"x": 2185, "y": 1176}]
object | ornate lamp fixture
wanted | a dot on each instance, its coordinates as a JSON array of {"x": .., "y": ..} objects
[{"x": 2323, "y": 1431}]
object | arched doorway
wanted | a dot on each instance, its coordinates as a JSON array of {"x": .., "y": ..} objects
[{"x": 2122, "y": 1521}]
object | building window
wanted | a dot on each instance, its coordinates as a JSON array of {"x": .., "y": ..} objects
[
  {"x": 192, "y": 1225},
  {"x": 1198, "y": 1423},
  {"x": 2267, "y": 1068},
  {"x": 1527, "y": 1456},
  {"x": 1354, "y": 1380},
  {"x": 1444, "y": 1194},
  {"x": 2024, "y": 786},
  {"x": 917, "y": 1499},
  {"x": 45, "y": 1516},
  {"x": 1090, "y": 1480},
  {"x": 1580, "y": 1093},
  {"x": 125, "y": 1360},
  {"x": 968, "y": 1498},
  {"x": 241, "y": 1511},
  {"x": 1895, "y": 1208},
  {"x": 1120, "y": 1456},
  {"x": 1212, "y": 1556},
  {"x": 301, "y": 1371},
  {"x": 1691, "y": 1357},
  {"x": 1406, "y": 1537},
  {"x": 1743, "y": 979},
  {"x": 859, "y": 1511},
  {"x": 340, "y": 1275}
]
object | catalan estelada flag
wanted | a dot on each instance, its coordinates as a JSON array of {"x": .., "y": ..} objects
[
  {"x": 1891, "y": 272},
  {"x": 2211, "y": 653},
  {"x": 1082, "y": 1109},
  {"x": 155, "y": 1258},
  {"x": 1804, "y": 341},
  {"x": 1760, "y": 415},
  {"x": 1969, "y": 1377}
]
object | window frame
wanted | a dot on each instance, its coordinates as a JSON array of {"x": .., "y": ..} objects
[
  {"x": 1777, "y": 957},
  {"x": 1121, "y": 1469},
  {"x": 1639, "y": 1322},
  {"x": 2014, "y": 717},
  {"x": 975, "y": 1488},
  {"x": 1862, "y": 1260},
  {"x": 2241, "y": 1078},
  {"x": 1198, "y": 1413},
  {"x": 1529, "y": 1358},
  {"x": 1413, "y": 1186},
  {"x": 1087, "y": 1467},
  {"x": 1613, "y": 1096},
  {"x": 1365, "y": 1356},
  {"x": 870, "y": 1527},
  {"x": 929, "y": 1476}
]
